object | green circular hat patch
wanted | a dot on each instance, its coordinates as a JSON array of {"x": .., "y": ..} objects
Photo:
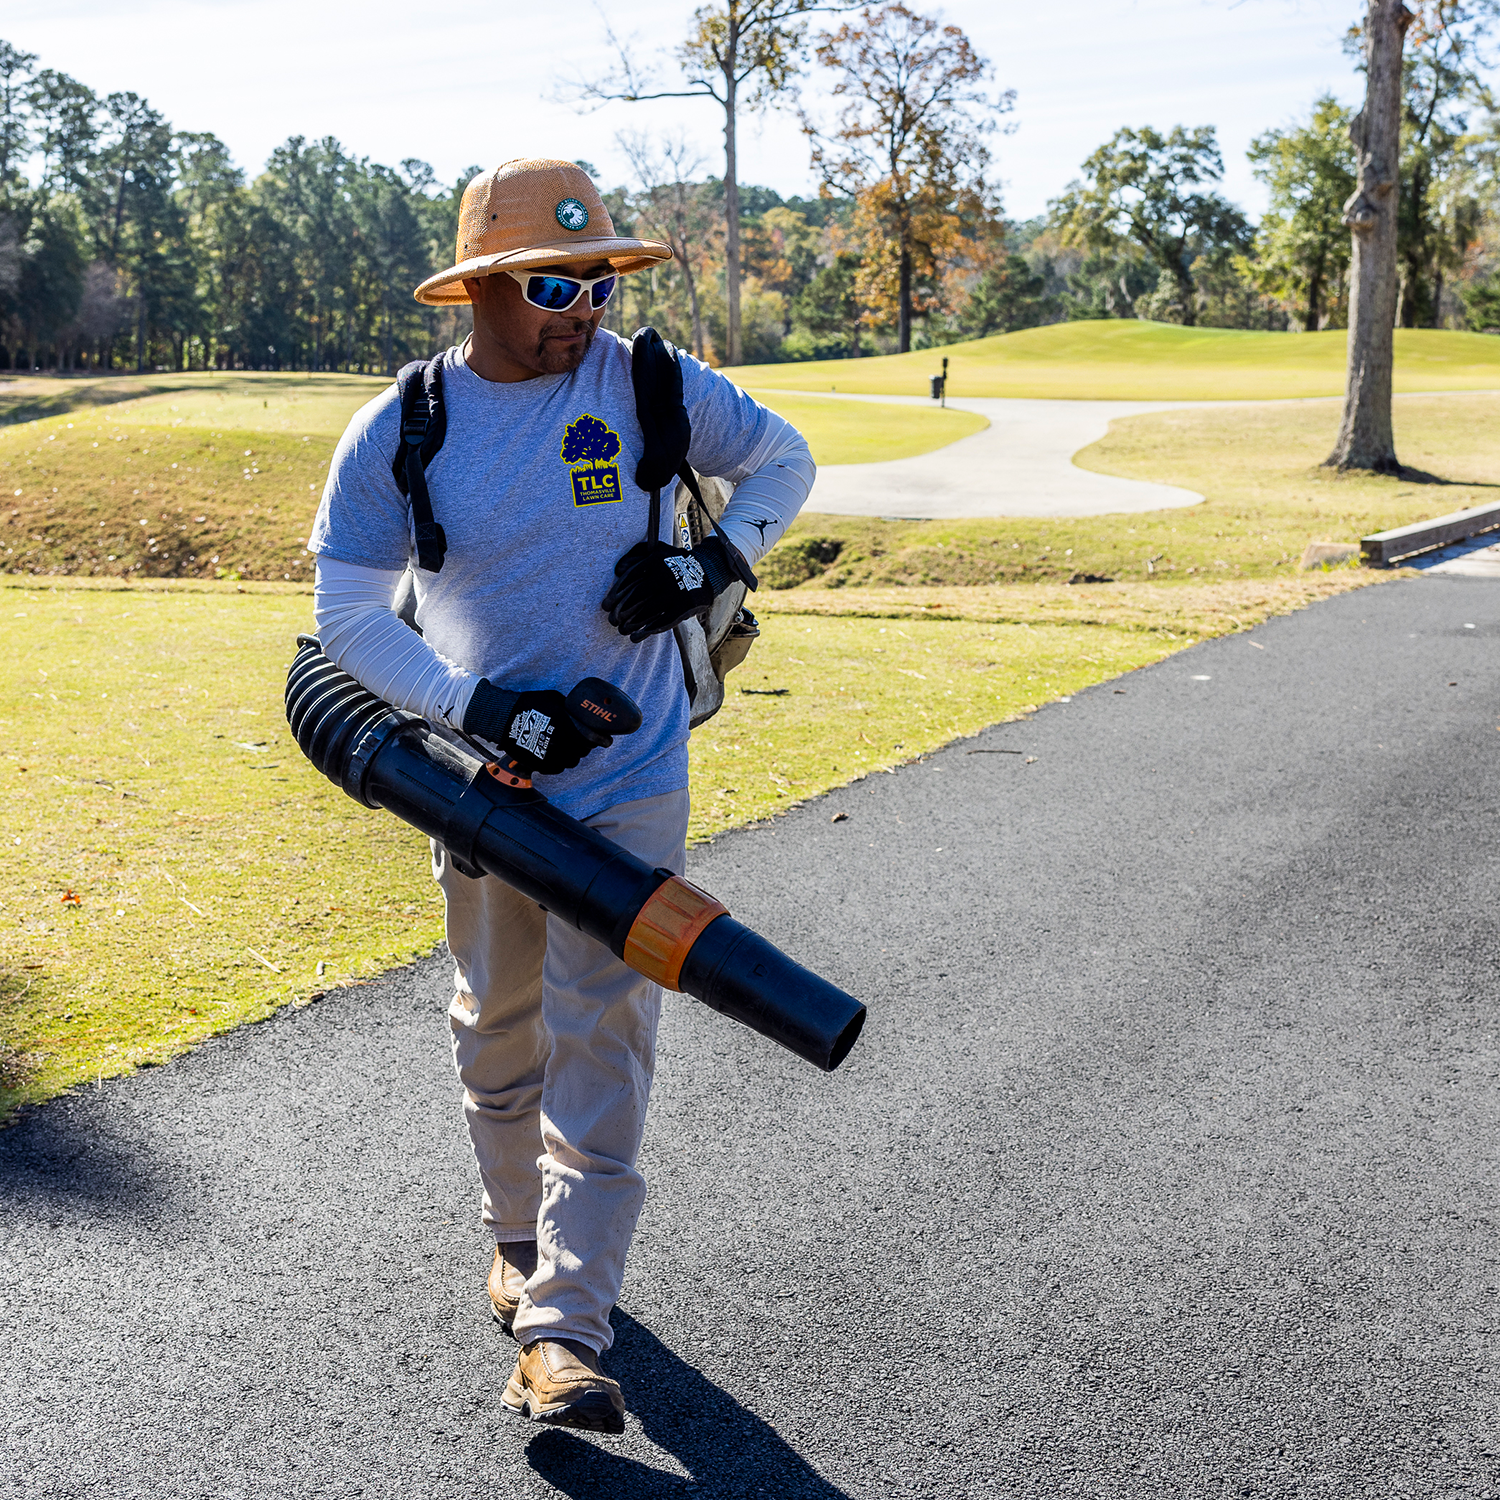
[{"x": 571, "y": 214}]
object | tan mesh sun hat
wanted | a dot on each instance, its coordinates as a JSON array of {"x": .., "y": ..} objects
[{"x": 533, "y": 213}]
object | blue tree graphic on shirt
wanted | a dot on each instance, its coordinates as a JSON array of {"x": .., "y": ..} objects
[{"x": 589, "y": 438}]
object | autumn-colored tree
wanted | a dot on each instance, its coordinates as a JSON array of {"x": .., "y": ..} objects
[
  {"x": 907, "y": 143},
  {"x": 740, "y": 54},
  {"x": 782, "y": 251}
]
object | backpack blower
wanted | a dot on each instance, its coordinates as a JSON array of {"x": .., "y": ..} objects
[{"x": 494, "y": 822}]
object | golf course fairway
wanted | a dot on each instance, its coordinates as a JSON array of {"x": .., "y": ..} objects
[{"x": 1129, "y": 360}]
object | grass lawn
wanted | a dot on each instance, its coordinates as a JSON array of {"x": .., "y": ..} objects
[
  {"x": 219, "y": 475},
  {"x": 172, "y": 867},
  {"x": 1258, "y": 467},
  {"x": 1127, "y": 360}
]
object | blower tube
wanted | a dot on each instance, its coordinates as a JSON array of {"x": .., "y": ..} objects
[{"x": 656, "y": 922}]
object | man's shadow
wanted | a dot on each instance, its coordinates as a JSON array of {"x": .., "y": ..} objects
[{"x": 720, "y": 1444}]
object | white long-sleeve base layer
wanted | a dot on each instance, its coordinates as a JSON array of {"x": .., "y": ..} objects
[{"x": 359, "y": 630}]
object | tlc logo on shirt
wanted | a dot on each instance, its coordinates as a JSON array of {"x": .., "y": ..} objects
[{"x": 591, "y": 447}]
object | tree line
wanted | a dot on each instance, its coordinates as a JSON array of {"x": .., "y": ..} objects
[{"x": 124, "y": 242}]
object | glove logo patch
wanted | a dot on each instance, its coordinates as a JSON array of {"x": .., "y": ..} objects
[
  {"x": 531, "y": 730},
  {"x": 688, "y": 572},
  {"x": 591, "y": 447}
]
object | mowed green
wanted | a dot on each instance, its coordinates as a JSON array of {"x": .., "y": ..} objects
[
  {"x": 1128, "y": 360},
  {"x": 861, "y": 432},
  {"x": 173, "y": 867},
  {"x": 219, "y": 476},
  {"x": 170, "y": 865}
]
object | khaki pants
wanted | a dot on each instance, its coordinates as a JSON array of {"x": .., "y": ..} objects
[{"x": 555, "y": 1043}]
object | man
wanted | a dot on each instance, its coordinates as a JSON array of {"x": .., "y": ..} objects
[{"x": 548, "y": 578}]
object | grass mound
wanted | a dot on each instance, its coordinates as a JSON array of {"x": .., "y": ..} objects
[
  {"x": 1266, "y": 497},
  {"x": 1128, "y": 360},
  {"x": 99, "y": 497}
]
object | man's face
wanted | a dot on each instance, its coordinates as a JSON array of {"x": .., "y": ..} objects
[{"x": 547, "y": 343}]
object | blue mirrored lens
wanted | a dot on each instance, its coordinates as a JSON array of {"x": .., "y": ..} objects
[
  {"x": 602, "y": 291},
  {"x": 552, "y": 291}
]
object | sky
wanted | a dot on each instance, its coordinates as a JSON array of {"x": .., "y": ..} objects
[{"x": 463, "y": 85}]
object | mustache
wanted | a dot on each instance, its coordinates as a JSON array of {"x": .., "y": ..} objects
[{"x": 566, "y": 328}]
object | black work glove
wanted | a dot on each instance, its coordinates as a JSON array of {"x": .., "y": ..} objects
[
  {"x": 535, "y": 728},
  {"x": 656, "y": 586}
]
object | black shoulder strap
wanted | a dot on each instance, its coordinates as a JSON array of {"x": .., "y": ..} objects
[
  {"x": 667, "y": 433},
  {"x": 424, "y": 424}
]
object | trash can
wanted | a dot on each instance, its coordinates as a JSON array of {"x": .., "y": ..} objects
[{"x": 937, "y": 387}]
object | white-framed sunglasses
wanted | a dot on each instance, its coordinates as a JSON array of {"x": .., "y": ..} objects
[{"x": 553, "y": 293}]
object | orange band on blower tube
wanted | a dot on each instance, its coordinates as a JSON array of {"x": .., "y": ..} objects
[
  {"x": 507, "y": 777},
  {"x": 666, "y": 928}
]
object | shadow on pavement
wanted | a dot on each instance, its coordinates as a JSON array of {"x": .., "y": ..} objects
[
  {"x": 725, "y": 1448},
  {"x": 58, "y": 1158}
]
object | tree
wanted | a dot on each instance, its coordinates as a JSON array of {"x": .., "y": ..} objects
[
  {"x": 1302, "y": 244},
  {"x": 673, "y": 205},
  {"x": 50, "y": 286},
  {"x": 830, "y": 305},
  {"x": 1481, "y": 303},
  {"x": 754, "y": 46},
  {"x": 306, "y": 189},
  {"x": 1146, "y": 189},
  {"x": 781, "y": 252},
  {"x": 1009, "y": 295},
  {"x": 907, "y": 144},
  {"x": 1365, "y": 439},
  {"x": 15, "y": 123},
  {"x": 65, "y": 119},
  {"x": 1438, "y": 213},
  {"x": 138, "y": 226},
  {"x": 210, "y": 192},
  {"x": 1105, "y": 283},
  {"x": 393, "y": 253}
]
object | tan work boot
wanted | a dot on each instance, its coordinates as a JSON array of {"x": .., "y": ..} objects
[
  {"x": 559, "y": 1381},
  {"x": 513, "y": 1267}
]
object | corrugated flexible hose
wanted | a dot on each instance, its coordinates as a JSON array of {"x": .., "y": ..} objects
[{"x": 660, "y": 924}]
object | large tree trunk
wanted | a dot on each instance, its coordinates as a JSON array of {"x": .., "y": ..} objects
[
  {"x": 731, "y": 231},
  {"x": 1365, "y": 440}
]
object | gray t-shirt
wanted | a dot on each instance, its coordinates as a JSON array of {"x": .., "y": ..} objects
[{"x": 534, "y": 487}]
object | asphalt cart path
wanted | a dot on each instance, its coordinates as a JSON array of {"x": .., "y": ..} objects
[{"x": 1167, "y": 1165}]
